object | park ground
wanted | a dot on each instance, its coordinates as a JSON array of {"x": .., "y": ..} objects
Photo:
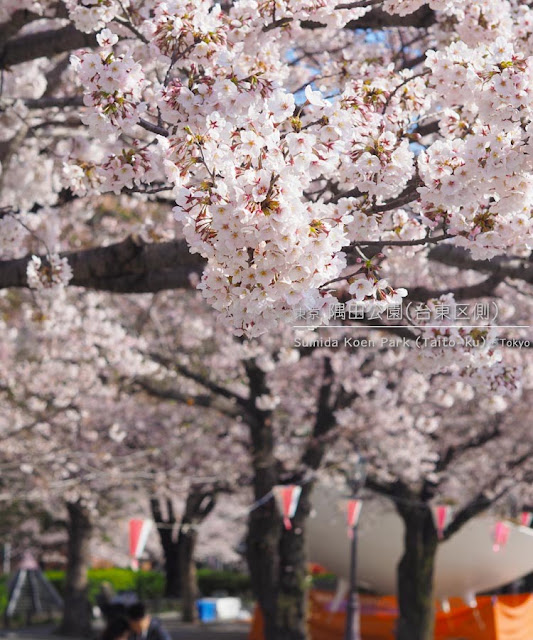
[{"x": 177, "y": 629}]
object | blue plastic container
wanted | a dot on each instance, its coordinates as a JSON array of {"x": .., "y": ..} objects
[{"x": 207, "y": 609}]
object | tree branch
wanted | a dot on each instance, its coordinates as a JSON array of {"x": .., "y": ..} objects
[
  {"x": 501, "y": 266},
  {"x": 200, "y": 379},
  {"x": 478, "y": 440},
  {"x": 481, "y": 289},
  {"x": 170, "y": 393},
  {"x": 45, "y": 44},
  {"x": 324, "y": 420},
  {"x": 15, "y": 24},
  {"x": 130, "y": 266}
]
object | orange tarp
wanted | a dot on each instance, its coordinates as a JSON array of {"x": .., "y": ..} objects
[
  {"x": 494, "y": 618},
  {"x": 514, "y": 620}
]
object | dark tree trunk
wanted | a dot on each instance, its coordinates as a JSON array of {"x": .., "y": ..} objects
[
  {"x": 187, "y": 572},
  {"x": 77, "y": 614},
  {"x": 415, "y": 574},
  {"x": 278, "y": 567},
  {"x": 291, "y": 610},
  {"x": 172, "y": 571},
  {"x": 276, "y": 557},
  {"x": 180, "y": 567},
  {"x": 262, "y": 554},
  {"x": 170, "y": 547},
  {"x": 264, "y": 524}
]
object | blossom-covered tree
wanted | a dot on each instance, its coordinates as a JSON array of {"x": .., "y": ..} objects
[
  {"x": 285, "y": 136},
  {"x": 74, "y": 437},
  {"x": 283, "y": 156},
  {"x": 316, "y": 408},
  {"x": 430, "y": 442},
  {"x": 62, "y": 439}
]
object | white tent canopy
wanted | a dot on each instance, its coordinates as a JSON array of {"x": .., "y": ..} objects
[{"x": 466, "y": 563}]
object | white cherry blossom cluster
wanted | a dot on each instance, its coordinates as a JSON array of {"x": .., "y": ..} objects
[
  {"x": 81, "y": 177},
  {"x": 113, "y": 91},
  {"x": 376, "y": 158},
  {"x": 240, "y": 162},
  {"x": 404, "y": 7},
  {"x": 93, "y": 15},
  {"x": 484, "y": 21},
  {"x": 480, "y": 177},
  {"x": 39, "y": 7},
  {"x": 239, "y": 175},
  {"x": 470, "y": 353},
  {"x": 12, "y": 234},
  {"x": 50, "y": 274},
  {"x": 129, "y": 169},
  {"x": 181, "y": 29},
  {"x": 289, "y": 11}
]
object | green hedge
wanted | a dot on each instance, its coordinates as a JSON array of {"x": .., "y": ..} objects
[
  {"x": 234, "y": 584},
  {"x": 3, "y": 593},
  {"x": 150, "y": 585}
]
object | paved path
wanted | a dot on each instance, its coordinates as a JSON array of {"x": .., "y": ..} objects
[
  {"x": 237, "y": 631},
  {"x": 178, "y": 631}
]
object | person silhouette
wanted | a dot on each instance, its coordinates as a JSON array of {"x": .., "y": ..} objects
[
  {"x": 117, "y": 628},
  {"x": 143, "y": 626}
]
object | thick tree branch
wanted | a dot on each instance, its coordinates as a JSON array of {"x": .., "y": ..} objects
[
  {"x": 481, "y": 502},
  {"x": 501, "y": 267},
  {"x": 477, "y": 505},
  {"x": 130, "y": 266},
  {"x": 15, "y": 24},
  {"x": 480, "y": 439},
  {"x": 324, "y": 420},
  {"x": 207, "y": 401},
  {"x": 481, "y": 289},
  {"x": 45, "y": 44}
]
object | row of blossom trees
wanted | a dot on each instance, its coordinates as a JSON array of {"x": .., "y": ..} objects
[
  {"x": 187, "y": 408},
  {"x": 286, "y": 157}
]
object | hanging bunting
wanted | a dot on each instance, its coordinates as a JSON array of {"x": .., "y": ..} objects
[
  {"x": 353, "y": 510},
  {"x": 500, "y": 535},
  {"x": 526, "y": 517},
  {"x": 139, "y": 530},
  {"x": 442, "y": 514},
  {"x": 287, "y": 497}
]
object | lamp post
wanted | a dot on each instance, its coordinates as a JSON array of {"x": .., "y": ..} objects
[{"x": 352, "y": 630}]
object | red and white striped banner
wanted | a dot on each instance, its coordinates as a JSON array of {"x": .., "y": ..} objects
[
  {"x": 526, "y": 517},
  {"x": 442, "y": 514},
  {"x": 139, "y": 531},
  {"x": 353, "y": 511},
  {"x": 500, "y": 535},
  {"x": 287, "y": 497}
]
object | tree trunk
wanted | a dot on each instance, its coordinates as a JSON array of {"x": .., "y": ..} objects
[
  {"x": 169, "y": 546},
  {"x": 180, "y": 567},
  {"x": 415, "y": 574},
  {"x": 264, "y": 524},
  {"x": 187, "y": 572},
  {"x": 276, "y": 557},
  {"x": 278, "y": 567},
  {"x": 291, "y": 610},
  {"x": 262, "y": 555},
  {"x": 172, "y": 571},
  {"x": 201, "y": 500},
  {"x": 76, "y": 613}
]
